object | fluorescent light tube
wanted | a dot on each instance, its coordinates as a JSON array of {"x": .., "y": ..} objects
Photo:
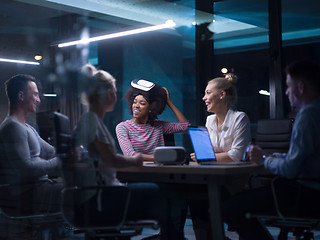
[
  {"x": 18, "y": 61},
  {"x": 168, "y": 24},
  {"x": 264, "y": 92},
  {"x": 50, "y": 95}
]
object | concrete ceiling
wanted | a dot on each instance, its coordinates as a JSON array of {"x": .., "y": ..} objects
[{"x": 236, "y": 22}]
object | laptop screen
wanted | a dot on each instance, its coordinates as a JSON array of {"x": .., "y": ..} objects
[{"x": 201, "y": 143}]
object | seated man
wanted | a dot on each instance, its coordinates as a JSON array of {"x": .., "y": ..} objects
[
  {"x": 26, "y": 159},
  {"x": 302, "y": 162}
]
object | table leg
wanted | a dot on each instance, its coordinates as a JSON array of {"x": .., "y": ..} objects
[{"x": 214, "y": 209}]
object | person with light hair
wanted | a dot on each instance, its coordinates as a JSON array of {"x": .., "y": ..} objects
[
  {"x": 229, "y": 129},
  {"x": 147, "y": 200},
  {"x": 230, "y": 136}
]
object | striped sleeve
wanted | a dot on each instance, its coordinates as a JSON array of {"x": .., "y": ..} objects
[
  {"x": 169, "y": 127},
  {"x": 123, "y": 139}
]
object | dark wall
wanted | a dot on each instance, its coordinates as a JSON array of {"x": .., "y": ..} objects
[
  {"x": 153, "y": 56},
  {"x": 252, "y": 70},
  {"x": 41, "y": 73},
  {"x": 159, "y": 57}
]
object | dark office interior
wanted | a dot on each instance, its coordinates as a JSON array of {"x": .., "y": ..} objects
[
  {"x": 183, "y": 59},
  {"x": 253, "y": 39}
]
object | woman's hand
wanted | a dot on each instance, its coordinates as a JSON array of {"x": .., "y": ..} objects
[
  {"x": 179, "y": 115},
  {"x": 193, "y": 157},
  {"x": 138, "y": 159},
  {"x": 255, "y": 154},
  {"x": 168, "y": 95},
  {"x": 145, "y": 157}
]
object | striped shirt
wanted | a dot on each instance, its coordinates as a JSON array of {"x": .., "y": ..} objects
[{"x": 144, "y": 138}]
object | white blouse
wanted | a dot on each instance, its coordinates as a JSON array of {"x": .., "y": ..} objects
[{"x": 233, "y": 136}]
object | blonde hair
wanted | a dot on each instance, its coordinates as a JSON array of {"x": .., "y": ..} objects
[
  {"x": 99, "y": 83},
  {"x": 227, "y": 84}
]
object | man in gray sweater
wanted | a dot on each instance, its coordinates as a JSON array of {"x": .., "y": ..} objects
[{"x": 27, "y": 160}]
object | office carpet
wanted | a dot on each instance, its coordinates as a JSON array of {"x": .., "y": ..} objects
[{"x": 189, "y": 234}]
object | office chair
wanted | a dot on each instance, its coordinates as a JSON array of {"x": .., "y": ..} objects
[
  {"x": 113, "y": 226},
  {"x": 273, "y": 135},
  {"x": 16, "y": 225},
  {"x": 18, "y": 221},
  {"x": 288, "y": 221},
  {"x": 169, "y": 139}
]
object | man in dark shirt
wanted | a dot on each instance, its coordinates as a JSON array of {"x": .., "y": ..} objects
[{"x": 301, "y": 164}]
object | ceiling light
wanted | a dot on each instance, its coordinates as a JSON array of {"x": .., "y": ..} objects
[
  {"x": 38, "y": 57},
  {"x": 168, "y": 24},
  {"x": 18, "y": 61},
  {"x": 264, "y": 92},
  {"x": 224, "y": 70},
  {"x": 49, "y": 94}
]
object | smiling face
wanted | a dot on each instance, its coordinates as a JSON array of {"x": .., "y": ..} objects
[
  {"x": 140, "y": 108},
  {"x": 30, "y": 98},
  {"x": 293, "y": 92},
  {"x": 213, "y": 97}
]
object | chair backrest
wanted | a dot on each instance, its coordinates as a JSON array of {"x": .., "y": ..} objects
[
  {"x": 88, "y": 215},
  {"x": 64, "y": 147},
  {"x": 273, "y": 135},
  {"x": 169, "y": 139},
  {"x": 61, "y": 133},
  {"x": 107, "y": 210}
]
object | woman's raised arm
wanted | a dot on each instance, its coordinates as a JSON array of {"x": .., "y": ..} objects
[{"x": 179, "y": 115}]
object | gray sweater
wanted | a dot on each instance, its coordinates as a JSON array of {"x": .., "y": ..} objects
[{"x": 25, "y": 156}]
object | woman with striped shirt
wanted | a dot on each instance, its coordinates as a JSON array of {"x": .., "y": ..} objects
[{"x": 143, "y": 133}]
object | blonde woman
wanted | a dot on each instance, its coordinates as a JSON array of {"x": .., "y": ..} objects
[
  {"x": 147, "y": 200},
  {"x": 230, "y": 136},
  {"x": 229, "y": 129}
]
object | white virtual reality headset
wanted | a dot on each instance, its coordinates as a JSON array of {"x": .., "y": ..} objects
[
  {"x": 142, "y": 84},
  {"x": 170, "y": 155}
]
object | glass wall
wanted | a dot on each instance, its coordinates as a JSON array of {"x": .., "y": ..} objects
[
  {"x": 238, "y": 30},
  {"x": 232, "y": 35},
  {"x": 241, "y": 40}
]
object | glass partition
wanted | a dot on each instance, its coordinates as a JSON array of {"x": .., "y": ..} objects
[
  {"x": 134, "y": 39},
  {"x": 239, "y": 33}
]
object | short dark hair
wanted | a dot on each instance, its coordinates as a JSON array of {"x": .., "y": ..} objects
[
  {"x": 306, "y": 71},
  {"x": 15, "y": 84},
  {"x": 156, "y": 97}
]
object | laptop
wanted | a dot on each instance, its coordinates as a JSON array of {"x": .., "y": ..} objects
[{"x": 203, "y": 148}]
